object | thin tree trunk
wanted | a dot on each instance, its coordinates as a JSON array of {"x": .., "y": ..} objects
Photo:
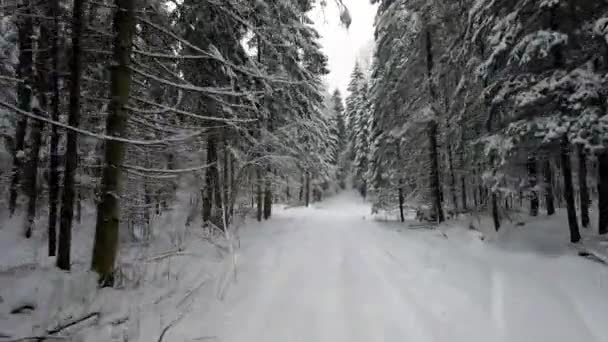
[
  {"x": 521, "y": 199},
  {"x": 494, "y": 198},
  {"x": 401, "y": 202},
  {"x": 40, "y": 108},
  {"x": 569, "y": 191},
  {"x": 582, "y": 185},
  {"x": 475, "y": 200},
  {"x": 25, "y": 30},
  {"x": 495, "y": 214},
  {"x": 532, "y": 182},
  {"x": 54, "y": 144},
  {"x": 71, "y": 155},
  {"x": 32, "y": 173},
  {"x": 602, "y": 189},
  {"x": 108, "y": 210},
  {"x": 307, "y": 191},
  {"x": 482, "y": 199},
  {"x": 225, "y": 179},
  {"x": 452, "y": 179},
  {"x": 549, "y": 201},
  {"x": 210, "y": 180},
  {"x": 267, "y": 196},
  {"x": 463, "y": 193},
  {"x": 435, "y": 185},
  {"x": 233, "y": 185},
  {"x": 302, "y": 185},
  {"x": 259, "y": 197}
]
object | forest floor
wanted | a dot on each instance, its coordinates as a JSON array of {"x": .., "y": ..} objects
[{"x": 334, "y": 273}]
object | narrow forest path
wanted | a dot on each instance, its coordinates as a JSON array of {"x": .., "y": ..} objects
[{"x": 331, "y": 274}]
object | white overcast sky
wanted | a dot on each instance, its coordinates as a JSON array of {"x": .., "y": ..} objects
[{"x": 343, "y": 47}]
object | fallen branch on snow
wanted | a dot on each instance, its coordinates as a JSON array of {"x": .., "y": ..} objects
[
  {"x": 72, "y": 323},
  {"x": 34, "y": 338}
]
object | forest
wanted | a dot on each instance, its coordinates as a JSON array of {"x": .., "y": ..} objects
[{"x": 126, "y": 124}]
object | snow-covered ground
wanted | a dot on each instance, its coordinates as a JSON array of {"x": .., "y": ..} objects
[{"x": 334, "y": 273}]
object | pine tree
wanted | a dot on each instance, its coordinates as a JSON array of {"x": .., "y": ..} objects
[
  {"x": 25, "y": 29},
  {"x": 108, "y": 211},
  {"x": 71, "y": 159}
]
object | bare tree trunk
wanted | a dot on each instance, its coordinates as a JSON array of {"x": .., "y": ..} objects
[
  {"x": 582, "y": 185},
  {"x": 452, "y": 179},
  {"x": 302, "y": 185},
  {"x": 494, "y": 199},
  {"x": 225, "y": 179},
  {"x": 602, "y": 189},
  {"x": 307, "y": 191},
  {"x": 569, "y": 191},
  {"x": 532, "y": 182},
  {"x": 148, "y": 204},
  {"x": 233, "y": 184},
  {"x": 495, "y": 215},
  {"x": 435, "y": 185},
  {"x": 481, "y": 198},
  {"x": 25, "y": 28},
  {"x": 259, "y": 197},
  {"x": 108, "y": 210},
  {"x": 210, "y": 180},
  {"x": 71, "y": 155},
  {"x": 549, "y": 201},
  {"x": 54, "y": 144},
  {"x": 267, "y": 197},
  {"x": 40, "y": 108},
  {"x": 463, "y": 193},
  {"x": 401, "y": 202},
  {"x": 475, "y": 200}
]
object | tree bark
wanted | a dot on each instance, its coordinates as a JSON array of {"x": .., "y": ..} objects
[
  {"x": 233, "y": 184},
  {"x": 25, "y": 28},
  {"x": 227, "y": 199},
  {"x": 495, "y": 214},
  {"x": 259, "y": 195},
  {"x": 54, "y": 143},
  {"x": 302, "y": 185},
  {"x": 582, "y": 185},
  {"x": 434, "y": 184},
  {"x": 532, "y": 182},
  {"x": 602, "y": 189},
  {"x": 39, "y": 108},
  {"x": 463, "y": 192},
  {"x": 71, "y": 155},
  {"x": 267, "y": 196},
  {"x": 212, "y": 192},
  {"x": 307, "y": 191},
  {"x": 108, "y": 210},
  {"x": 401, "y": 202},
  {"x": 569, "y": 190},
  {"x": 452, "y": 179},
  {"x": 548, "y": 175}
]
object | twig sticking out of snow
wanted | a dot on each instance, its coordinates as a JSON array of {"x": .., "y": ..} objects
[
  {"x": 56, "y": 330},
  {"x": 169, "y": 326},
  {"x": 72, "y": 323},
  {"x": 35, "y": 338}
]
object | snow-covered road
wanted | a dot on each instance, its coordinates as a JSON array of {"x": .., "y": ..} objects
[{"x": 332, "y": 274}]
